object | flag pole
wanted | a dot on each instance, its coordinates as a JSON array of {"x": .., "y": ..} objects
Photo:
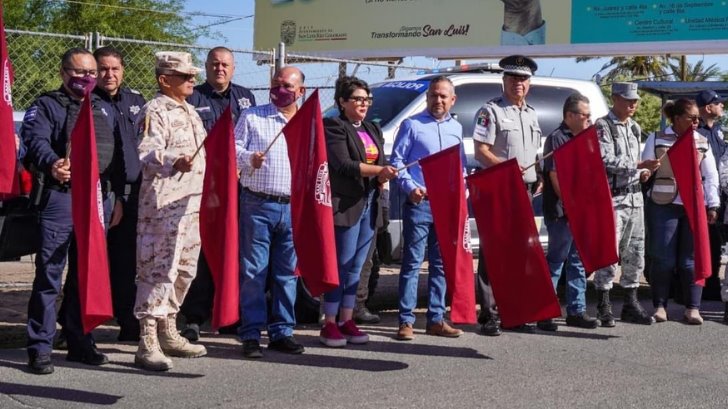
[
  {"x": 270, "y": 145},
  {"x": 548, "y": 155},
  {"x": 408, "y": 165}
]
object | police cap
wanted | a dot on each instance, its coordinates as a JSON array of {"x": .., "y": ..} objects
[{"x": 518, "y": 65}]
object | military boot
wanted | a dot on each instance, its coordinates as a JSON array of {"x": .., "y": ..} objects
[
  {"x": 149, "y": 355},
  {"x": 173, "y": 344},
  {"x": 632, "y": 310},
  {"x": 604, "y": 309}
]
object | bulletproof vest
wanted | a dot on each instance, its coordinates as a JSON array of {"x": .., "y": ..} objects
[
  {"x": 664, "y": 188},
  {"x": 104, "y": 132}
]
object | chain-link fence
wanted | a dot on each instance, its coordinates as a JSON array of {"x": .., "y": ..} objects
[{"x": 36, "y": 57}]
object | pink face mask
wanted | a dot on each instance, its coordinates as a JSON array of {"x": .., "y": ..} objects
[
  {"x": 81, "y": 85},
  {"x": 281, "y": 97}
]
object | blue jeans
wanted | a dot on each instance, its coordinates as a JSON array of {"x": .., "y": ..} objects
[
  {"x": 352, "y": 247},
  {"x": 671, "y": 247},
  {"x": 267, "y": 256},
  {"x": 562, "y": 251},
  {"x": 418, "y": 232}
]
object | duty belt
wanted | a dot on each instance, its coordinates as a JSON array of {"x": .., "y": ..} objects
[
  {"x": 619, "y": 191},
  {"x": 270, "y": 198}
]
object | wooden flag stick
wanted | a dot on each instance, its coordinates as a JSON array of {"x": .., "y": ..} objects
[
  {"x": 270, "y": 145},
  {"x": 408, "y": 165},
  {"x": 548, "y": 155}
]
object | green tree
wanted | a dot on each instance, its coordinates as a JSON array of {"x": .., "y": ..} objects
[
  {"x": 648, "y": 113},
  {"x": 637, "y": 68},
  {"x": 36, "y": 58},
  {"x": 683, "y": 71}
]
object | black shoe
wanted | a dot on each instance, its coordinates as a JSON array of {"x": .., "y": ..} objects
[
  {"x": 547, "y": 325},
  {"x": 491, "y": 327},
  {"x": 60, "y": 342},
  {"x": 632, "y": 310},
  {"x": 286, "y": 345},
  {"x": 251, "y": 349},
  {"x": 40, "y": 364},
  {"x": 581, "y": 320},
  {"x": 191, "y": 332},
  {"x": 525, "y": 329},
  {"x": 725, "y": 314},
  {"x": 604, "y": 309},
  {"x": 88, "y": 356}
]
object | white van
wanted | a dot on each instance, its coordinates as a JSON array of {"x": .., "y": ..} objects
[{"x": 395, "y": 100}]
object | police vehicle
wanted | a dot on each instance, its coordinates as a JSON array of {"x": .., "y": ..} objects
[{"x": 396, "y": 100}]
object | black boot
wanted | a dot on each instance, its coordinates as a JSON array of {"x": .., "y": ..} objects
[
  {"x": 725, "y": 314},
  {"x": 632, "y": 310},
  {"x": 604, "y": 309}
]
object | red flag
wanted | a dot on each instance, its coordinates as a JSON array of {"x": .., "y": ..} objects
[
  {"x": 88, "y": 223},
  {"x": 684, "y": 162},
  {"x": 514, "y": 257},
  {"x": 311, "y": 214},
  {"x": 8, "y": 155},
  {"x": 218, "y": 212},
  {"x": 443, "y": 173},
  {"x": 587, "y": 200}
]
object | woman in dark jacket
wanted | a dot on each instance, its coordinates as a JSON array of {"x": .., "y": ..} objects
[{"x": 357, "y": 170}]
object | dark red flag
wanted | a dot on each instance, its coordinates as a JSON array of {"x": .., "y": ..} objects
[
  {"x": 443, "y": 173},
  {"x": 514, "y": 257},
  {"x": 684, "y": 161},
  {"x": 88, "y": 223},
  {"x": 218, "y": 218},
  {"x": 311, "y": 214},
  {"x": 587, "y": 200},
  {"x": 8, "y": 155}
]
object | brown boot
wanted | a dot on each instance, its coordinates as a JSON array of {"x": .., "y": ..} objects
[
  {"x": 149, "y": 355},
  {"x": 441, "y": 329},
  {"x": 405, "y": 333},
  {"x": 173, "y": 344}
]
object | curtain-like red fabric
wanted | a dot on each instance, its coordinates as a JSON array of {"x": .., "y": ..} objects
[{"x": 8, "y": 156}]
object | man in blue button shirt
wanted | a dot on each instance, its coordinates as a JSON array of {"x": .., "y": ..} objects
[
  {"x": 419, "y": 136},
  {"x": 210, "y": 99}
]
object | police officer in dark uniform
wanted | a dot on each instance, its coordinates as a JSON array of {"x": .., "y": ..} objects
[
  {"x": 210, "y": 99},
  {"x": 121, "y": 239},
  {"x": 506, "y": 127},
  {"x": 710, "y": 106},
  {"x": 46, "y": 130}
]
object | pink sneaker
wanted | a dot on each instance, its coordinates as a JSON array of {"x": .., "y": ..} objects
[
  {"x": 353, "y": 334},
  {"x": 331, "y": 336}
]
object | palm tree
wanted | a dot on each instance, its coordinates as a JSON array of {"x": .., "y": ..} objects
[
  {"x": 684, "y": 71},
  {"x": 637, "y": 67}
]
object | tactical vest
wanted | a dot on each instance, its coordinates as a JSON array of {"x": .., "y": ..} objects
[
  {"x": 664, "y": 188},
  {"x": 104, "y": 132}
]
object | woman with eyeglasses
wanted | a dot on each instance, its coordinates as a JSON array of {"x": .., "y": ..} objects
[
  {"x": 357, "y": 170},
  {"x": 670, "y": 238}
]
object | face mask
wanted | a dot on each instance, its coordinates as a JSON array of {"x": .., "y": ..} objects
[
  {"x": 281, "y": 97},
  {"x": 79, "y": 85}
]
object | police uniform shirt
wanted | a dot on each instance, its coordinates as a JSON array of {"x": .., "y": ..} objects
[
  {"x": 715, "y": 137},
  {"x": 127, "y": 104},
  {"x": 512, "y": 132},
  {"x": 210, "y": 104},
  {"x": 43, "y": 130}
]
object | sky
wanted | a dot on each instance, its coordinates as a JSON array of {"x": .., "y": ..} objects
[{"x": 239, "y": 34}]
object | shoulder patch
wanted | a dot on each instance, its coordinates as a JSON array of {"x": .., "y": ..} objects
[
  {"x": 30, "y": 114},
  {"x": 133, "y": 91},
  {"x": 483, "y": 118},
  {"x": 202, "y": 109}
]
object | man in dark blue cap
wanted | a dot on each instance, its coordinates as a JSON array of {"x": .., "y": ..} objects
[
  {"x": 710, "y": 106},
  {"x": 507, "y": 127}
]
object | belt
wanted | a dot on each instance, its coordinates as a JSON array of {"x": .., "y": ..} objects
[
  {"x": 618, "y": 191},
  {"x": 270, "y": 198}
]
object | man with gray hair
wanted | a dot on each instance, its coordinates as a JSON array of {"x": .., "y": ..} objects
[
  {"x": 168, "y": 242},
  {"x": 619, "y": 142}
]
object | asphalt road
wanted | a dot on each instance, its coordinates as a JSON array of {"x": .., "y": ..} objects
[{"x": 667, "y": 365}]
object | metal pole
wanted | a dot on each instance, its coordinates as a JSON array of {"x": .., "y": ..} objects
[{"x": 281, "y": 56}]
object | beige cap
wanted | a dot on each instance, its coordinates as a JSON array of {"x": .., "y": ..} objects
[{"x": 174, "y": 61}]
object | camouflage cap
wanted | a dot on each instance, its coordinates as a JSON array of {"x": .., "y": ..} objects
[{"x": 175, "y": 62}]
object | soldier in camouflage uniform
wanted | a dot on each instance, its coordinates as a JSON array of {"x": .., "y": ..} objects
[
  {"x": 619, "y": 143},
  {"x": 168, "y": 243}
]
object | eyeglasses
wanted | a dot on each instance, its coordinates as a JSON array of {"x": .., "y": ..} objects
[
  {"x": 693, "y": 118},
  {"x": 78, "y": 72},
  {"x": 582, "y": 114},
  {"x": 362, "y": 100},
  {"x": 186, "y": 77}
]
